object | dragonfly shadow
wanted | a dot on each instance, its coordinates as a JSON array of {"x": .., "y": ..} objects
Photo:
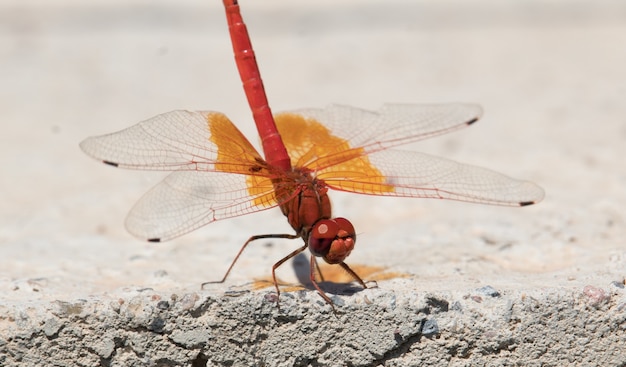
[{"x": 332, "y": 283}]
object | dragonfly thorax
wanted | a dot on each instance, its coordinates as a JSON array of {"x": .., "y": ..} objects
[
  {"x": 308, "y": 210},
  {"x": 304, "y": 201}
]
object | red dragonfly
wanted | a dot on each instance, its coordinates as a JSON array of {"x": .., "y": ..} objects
[{"x": 218, "y": 174}]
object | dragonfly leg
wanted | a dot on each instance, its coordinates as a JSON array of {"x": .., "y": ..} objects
[
  {"x": 313, "y": 266},
  {"x": 319, "y": 270},
  {"x": 251, "y": 239},
  {"x": 353, "y": 274},
  {"x": 282, "y": 261}
]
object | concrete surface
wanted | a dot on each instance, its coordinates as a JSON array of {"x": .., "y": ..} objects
[{"x": 458, "y": 284}]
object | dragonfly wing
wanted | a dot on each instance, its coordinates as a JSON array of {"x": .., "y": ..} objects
[
  {"x": 391, "y": 125},
  {"x": 419, "y": 175},
  {"x": 187, "y": 200},
  {"x": 177, "y": 140}
]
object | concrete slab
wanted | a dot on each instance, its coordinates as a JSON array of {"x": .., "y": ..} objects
[{"x": 458, "y": 284}]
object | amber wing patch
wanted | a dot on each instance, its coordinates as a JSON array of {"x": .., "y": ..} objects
[
  {"x": 235, "y": 154},
  {"x": 311, "y": 145}
]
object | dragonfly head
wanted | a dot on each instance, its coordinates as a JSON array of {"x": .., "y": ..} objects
[{"x": 332, "y": 239}]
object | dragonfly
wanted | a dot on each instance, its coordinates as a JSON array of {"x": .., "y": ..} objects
[{"x": 218, "y": 174}]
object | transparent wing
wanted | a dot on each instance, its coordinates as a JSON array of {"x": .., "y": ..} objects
[
  {"x": 177, "y": 140},
  {"x": 368, "y": 131},
  {"x": 346, "y": 147},
  {"x": 187, "y": 200},
  {"x": 218, "y": 173},
  {"x": 419, "y": 175}
]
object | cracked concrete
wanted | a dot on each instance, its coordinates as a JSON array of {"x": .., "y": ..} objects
[
  {"x": 373, "y": 327},
  {"x": 457, "y": 284}
]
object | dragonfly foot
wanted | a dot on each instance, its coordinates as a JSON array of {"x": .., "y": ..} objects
[{"x": 202, "y": 286}]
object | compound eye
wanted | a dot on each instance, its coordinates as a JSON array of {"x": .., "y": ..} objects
[
  {"x": 322, "y": 235},
  {"x": 345, "y": 226}
]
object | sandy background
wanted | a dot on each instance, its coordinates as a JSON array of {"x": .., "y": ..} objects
[{"x": 550, "y": 76}]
